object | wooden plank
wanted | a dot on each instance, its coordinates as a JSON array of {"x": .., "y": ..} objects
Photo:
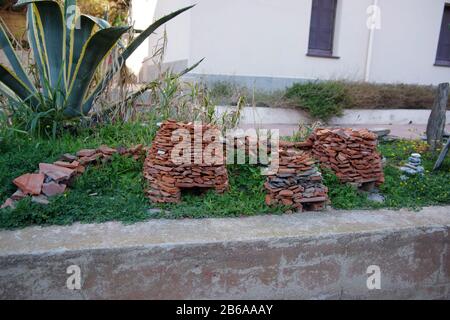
[
  {"x": 436, "y": 122},
  {"x": 442, "y": 156}
]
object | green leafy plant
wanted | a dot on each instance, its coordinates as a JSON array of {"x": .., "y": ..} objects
[
  {"x": 67, "y": 49},
  {"x": 323, "y": 100},
  {"x": 173, "y": 98},
  {"x": 343, "y": 195}
]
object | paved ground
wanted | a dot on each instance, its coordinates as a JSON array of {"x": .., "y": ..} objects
[{"x": 412, "y": 131}]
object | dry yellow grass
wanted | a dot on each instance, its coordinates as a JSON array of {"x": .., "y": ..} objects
[
  {"x": 360, "y": 95},
  {"x": 389, "y": 96}
]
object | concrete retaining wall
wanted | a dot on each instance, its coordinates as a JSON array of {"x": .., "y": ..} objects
[
  {"x": 261, "y": 115},
  {"x": 305, "y": 256}
]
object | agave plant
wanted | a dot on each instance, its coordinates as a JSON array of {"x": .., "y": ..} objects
[{"x": 67, "y": 48}]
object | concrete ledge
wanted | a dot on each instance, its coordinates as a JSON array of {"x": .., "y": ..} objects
[
  {"x": 268, "y": 84},
  {"x": 288, "y": 116},
  {"x": 386, "y": 116},
  {"x": 150, "y": 72},
  {"x": 316, "y": 255}
]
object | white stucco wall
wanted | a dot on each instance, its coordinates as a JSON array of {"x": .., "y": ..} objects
[
  {"x": 405, "y": 47},
  {"x": 142, "y": 13},
  {"x": 269, "y": 38},
  {"x": 178, "y": 30},
  {"x": 272, "y": 39}
]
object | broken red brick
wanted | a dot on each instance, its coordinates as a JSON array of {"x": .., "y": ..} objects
[
  {"x": 30, "y": 183},
  {"x": 136, "y": 149},
  {"x": 41, "y": 199},
  {"x": 90, "y": 159},
  {"x": 286, "y": 193},
  {"x": 56, "y": 173},
  {"x": 316, "y": 199},
  {"x": 287, "y": 202},
  {"x": 70, "y": 165},
  {"x": 86, "y": 153},
  {"x": 9, "y": 203},
  {"x": 52, "y": 189},
  {"x": 106, "y": 150},
  {"x": 18, "y": 195},
  {"x": 269, "y": 201},
  {"x": 80, "y": 169},
  {"x": 68, "y": 157}
]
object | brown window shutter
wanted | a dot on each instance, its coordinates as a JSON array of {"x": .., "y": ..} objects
[
  {"x": 443, "y": 52},
  {"x": 321, "y": 33}
]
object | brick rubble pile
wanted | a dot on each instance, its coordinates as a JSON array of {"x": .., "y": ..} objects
[
  {"x": 54, "y": 179},
  {"x": 351, "y": 154},
  {"x": 298, "y": 183},
  {"x": 166, "y": 179}
]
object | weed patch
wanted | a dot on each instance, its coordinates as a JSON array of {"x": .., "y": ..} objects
[{"x": 323, "y": 100}]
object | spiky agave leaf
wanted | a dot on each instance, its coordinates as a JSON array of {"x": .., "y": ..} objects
[
  {"x": 8, "y": 93},
  {"x": 67, "y": 53},
  {"x": 10, "y": 80},
  {"x": 13, "y": 60},
  {"x": 87, "y": 105},
  {"x": 79, "y": 28},
  {"x": 70, "y": 23},
  {"x": 48, "y": 24},
  {"x": 96, "y": 49},
  {"x": 79, "y": 38}
]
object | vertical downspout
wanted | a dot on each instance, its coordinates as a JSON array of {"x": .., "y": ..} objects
[{"x": 370, "y": 49}]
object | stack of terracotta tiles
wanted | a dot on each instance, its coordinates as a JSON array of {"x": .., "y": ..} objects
[
  {"x": 351, "y": 154},
  {"x": 166, "y": 179},
  {"x": 298, "y": 183},
  {"x": 53, "y": 179}
]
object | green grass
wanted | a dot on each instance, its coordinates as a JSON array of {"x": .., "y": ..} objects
[
  {"x": 418, "y": 191},
  {"x": 110, "y": 192},
  {"x": 431, "y": 189},
  {"x": 115, "y": 191},
  {"x": 245, "y": 198},
  {"x": 19, "y": 155},
  {"x": 118, "y": 185}
]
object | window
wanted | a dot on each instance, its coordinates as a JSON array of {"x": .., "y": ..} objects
[
  {"x": 321, "y": 31},
  {"x": 443, "y": 52}
]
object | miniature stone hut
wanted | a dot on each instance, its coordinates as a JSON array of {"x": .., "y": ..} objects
[
  {"x": 297, "y": 184},
  {"x": 352, "y": 154},
  {"x": 167, "y": 178}
]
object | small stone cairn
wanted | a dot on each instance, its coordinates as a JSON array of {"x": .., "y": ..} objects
[{"x": 414, "y": 165}]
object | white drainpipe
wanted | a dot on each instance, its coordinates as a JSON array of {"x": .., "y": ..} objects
[{"x": 370, "y": 48}]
